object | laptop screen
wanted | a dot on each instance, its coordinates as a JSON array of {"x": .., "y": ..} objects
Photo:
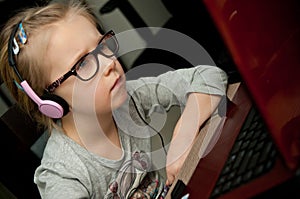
[{"x": 264, "y": 40}]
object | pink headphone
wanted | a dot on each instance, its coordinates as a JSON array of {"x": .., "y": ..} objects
[{"x": 49, "y": 104}]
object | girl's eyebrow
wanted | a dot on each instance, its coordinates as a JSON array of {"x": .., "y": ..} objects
[
  {"x": 77, "y": 59},
  {"x": 81, "y": 56}
]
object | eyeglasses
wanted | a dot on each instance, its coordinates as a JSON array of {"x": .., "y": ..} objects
[{"x": 87, "y": 66}]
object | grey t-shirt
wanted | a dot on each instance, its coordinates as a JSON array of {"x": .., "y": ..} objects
[{"x": 68, "y": 170}]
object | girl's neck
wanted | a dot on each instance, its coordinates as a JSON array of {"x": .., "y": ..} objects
[{"x": 98, "y": 134}]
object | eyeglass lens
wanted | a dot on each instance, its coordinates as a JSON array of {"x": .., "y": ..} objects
[{"x": 108, "y": 46}]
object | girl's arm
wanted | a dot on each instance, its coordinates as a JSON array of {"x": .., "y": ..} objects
[
  {"x": 199, "y": 108},
  {"x": 196, "y": 90}
]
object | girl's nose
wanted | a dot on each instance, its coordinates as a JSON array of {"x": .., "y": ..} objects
[{"x": 109, "y": 68}]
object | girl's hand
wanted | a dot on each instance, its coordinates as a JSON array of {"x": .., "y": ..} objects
[{"x": 174, "y": 164}]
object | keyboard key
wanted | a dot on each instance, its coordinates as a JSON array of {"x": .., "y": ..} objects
[
  {"x": 243, "y": 167},
  {"x": 238, "y": 160},
  {"x": 247, "y": 176},
  {"x": 236, "y": 147},
  {"x": 253, "y": 161},
  {"x": 237, "y": 181}
]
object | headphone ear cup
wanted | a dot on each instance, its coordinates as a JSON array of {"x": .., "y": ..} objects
[{"x": 55, "y": 99}]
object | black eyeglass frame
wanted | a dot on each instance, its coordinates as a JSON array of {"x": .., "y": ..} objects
[{"x": 95, "y": 52}]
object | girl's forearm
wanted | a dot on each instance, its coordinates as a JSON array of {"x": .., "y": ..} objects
[{"x": 199, "y": 108}]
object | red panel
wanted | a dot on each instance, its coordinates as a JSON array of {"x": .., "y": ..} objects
[{"x": 263, "y": 37}]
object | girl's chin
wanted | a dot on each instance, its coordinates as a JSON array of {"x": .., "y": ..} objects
[{"x": 119, "y": 98}]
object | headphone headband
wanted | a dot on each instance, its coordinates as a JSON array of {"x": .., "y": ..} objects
[{"x": 12, "y": 51}]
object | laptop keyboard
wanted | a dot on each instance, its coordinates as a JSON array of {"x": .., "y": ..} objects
[{"x": 252, "y": 155}]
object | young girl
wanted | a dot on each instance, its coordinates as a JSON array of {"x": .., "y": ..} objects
[{"x": 65, "y": 74}]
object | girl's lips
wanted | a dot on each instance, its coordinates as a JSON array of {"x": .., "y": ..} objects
[{"x": 117, "y": 83}]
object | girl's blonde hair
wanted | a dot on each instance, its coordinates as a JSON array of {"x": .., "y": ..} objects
[{"x": 30, "y": 62}]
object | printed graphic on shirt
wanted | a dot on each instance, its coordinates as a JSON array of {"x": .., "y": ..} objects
[{"x": 134, "y": 180}]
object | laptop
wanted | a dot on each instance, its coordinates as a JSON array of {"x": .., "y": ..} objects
[{"x": 259, "y": 144}]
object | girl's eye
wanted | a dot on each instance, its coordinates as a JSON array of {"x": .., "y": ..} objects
[
  {"x": 87, "y": 67},
  {"x": 83, "y": 62}
]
